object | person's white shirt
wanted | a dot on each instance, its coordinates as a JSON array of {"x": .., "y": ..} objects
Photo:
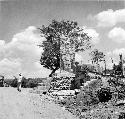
[{"x": 20, "y": 78}]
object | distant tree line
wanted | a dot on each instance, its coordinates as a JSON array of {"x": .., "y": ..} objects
[{"x": 26, "y": 82}]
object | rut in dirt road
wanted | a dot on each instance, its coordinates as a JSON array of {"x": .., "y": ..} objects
[{"x": 25, "y": 105}]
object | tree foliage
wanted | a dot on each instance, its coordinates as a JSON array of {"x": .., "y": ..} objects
[
  {"x": 14, "y": 82},
  {"x": 117, "y": 69},
  {"x": 56, "y": 34},
  {"x": 97, "y": 56}
]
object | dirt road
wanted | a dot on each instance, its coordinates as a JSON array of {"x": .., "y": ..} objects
[{"x": 25, "y": 105}]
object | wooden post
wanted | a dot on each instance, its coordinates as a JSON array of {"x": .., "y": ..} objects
[
  {"x": 121, "y": 62},
  {"x": 105, "y": 66}
]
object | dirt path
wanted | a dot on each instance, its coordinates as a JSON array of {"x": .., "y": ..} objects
[{"x": 25, "y": 105}]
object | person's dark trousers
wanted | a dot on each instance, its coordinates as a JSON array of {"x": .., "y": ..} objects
[{"x": 18, "y": 86}]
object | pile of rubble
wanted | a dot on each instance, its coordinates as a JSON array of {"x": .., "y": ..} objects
[
  {"x": 60, "y": 85},
  {"x": 62, "y": 81}
]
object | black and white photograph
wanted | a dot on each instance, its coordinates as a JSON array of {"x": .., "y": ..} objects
[{"x": 62, "y": 59}]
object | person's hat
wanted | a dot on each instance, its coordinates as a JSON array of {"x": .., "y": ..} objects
[{"x": 20, "y": 74}]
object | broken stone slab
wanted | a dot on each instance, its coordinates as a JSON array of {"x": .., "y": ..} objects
[{"x": 64, "y": 92}]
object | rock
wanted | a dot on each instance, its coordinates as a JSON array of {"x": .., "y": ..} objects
[{"x": 120, "y": 102}]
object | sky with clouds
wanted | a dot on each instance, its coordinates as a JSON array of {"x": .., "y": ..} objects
[{"x": 104, "y": 21}]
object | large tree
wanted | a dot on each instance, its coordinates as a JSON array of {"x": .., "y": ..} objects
[{"x": 56, "y": 34}]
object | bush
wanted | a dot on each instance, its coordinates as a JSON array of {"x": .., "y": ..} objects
[
  {"x": 14, "y": 83},
  {"x": 25, "y": 82},
  {"x": 1, "y": 84},
  {"x": 8, "y": 82},
  {"x": 31, "y": 84},
  {"x": 87, "y": 97},
  {"x": 119, "y": 87}
]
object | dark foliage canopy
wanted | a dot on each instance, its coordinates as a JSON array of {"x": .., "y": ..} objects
[
  {"x": 118, "y": 69},
  {"x": 97, "y": 56},
  {"x": 56, "y": 34}
]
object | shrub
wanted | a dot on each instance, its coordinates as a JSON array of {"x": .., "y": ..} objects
[
  {"x": 87, "y": 97},
  {"x": 31, "y": 84},
  {"x": 8, "y": 82},
  {"x": 24, "y": 82},
  {"x": 1, "y": 84},
  {"x": 14, "y": 83},
  {"x": 119, "y": 87}
]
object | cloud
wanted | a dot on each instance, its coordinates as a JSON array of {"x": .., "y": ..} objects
[
  {"x": 116, "y": 52},
  {"x": 119, "y": 51},
  {"x": 93, "y": 34},
  {"x": 117, "y": 34},
  {"x": 109, "y": 53},
  {"x": 22, "y": 54},
  {"x": 110, "y": 18},
  {"x": 25, "y": 45},
  {"x": 8, "y": 67},
  {"x": 2, "y": 42}
]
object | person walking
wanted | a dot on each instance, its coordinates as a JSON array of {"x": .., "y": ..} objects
[{"x": 19, "y": 82}]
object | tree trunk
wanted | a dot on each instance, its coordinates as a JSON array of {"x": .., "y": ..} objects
[
  {"x": 53, "y": 71},
  {"x": 105, "y": 66}
]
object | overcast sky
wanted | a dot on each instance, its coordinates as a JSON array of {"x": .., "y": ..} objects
[{"x": 104, "y": 22}]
